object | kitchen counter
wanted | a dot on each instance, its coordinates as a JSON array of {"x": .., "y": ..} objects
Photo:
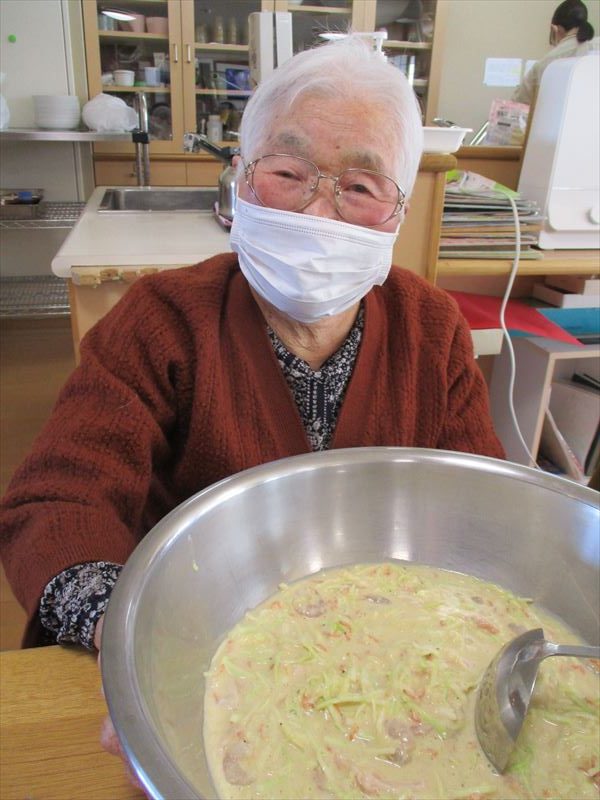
[
  {"x": 51, "y": 710},
  {"x": 106, "y": 252},
  {"x": 139, "y": 239}
]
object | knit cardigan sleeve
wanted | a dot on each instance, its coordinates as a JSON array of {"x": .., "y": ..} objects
[{"x": 80, "y": 494}]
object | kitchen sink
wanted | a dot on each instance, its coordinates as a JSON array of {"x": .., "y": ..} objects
[{"x": 181, "y": 198}]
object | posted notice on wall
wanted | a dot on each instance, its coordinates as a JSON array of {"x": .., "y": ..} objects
[{"x": 502, "y": 71}]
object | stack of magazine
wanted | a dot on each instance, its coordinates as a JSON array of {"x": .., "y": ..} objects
[{"x": 478, "y": 220}]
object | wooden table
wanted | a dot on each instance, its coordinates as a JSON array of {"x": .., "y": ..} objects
[{"x": 51, "y": 710}]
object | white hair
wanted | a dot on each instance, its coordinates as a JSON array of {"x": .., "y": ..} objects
[{"x": 347, "y": 69}]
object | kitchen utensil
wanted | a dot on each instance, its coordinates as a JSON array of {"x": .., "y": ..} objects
[
  {"x": 506, "y": 688},
  {"x": 20, "y": 196},
  {"x": 214, "y": 129},
  {"x": 192, "y": 142},
  {"x": 124, "y": 77},
  {"x": 443, "y": 139},
  {"x": 228, "y": 548},
  {"x": 158, "y": 25},
  {"x": 20, "y": 203},
  {"x": 152, "y": 76},
  {"x": 56, "y": 111},
  {"x": 135, "y": 25},
  {"x": 106, "y": 23}
]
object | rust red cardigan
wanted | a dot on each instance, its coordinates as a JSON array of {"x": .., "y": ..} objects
[{"x": 179, "y": 387}]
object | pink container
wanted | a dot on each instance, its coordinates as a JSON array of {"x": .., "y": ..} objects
[
  {"x": 137, "y": 25},
  {"x": 157, "y": 25}
]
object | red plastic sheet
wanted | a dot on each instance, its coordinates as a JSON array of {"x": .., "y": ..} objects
[{"x": 483, "y": 312}]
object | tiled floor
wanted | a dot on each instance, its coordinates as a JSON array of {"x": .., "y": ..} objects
[{"x": 36, "y": 357}]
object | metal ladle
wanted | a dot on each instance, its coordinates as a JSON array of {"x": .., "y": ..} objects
[{"x": 506, "y": 688}]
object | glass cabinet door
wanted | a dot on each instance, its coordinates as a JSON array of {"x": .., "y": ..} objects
[
  {"x": 134, "y": 47},
  {"x": 311, "y": 19},
  {"x": 410, "y": 26},
  {"x": 216, "y": 74}
]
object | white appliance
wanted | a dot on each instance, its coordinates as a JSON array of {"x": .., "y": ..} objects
[
  {"x": 561, "y": 164},
  {"x": 269, "y": 42}
]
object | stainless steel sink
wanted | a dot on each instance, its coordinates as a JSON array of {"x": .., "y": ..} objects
[{"x": 147, "y": 198}]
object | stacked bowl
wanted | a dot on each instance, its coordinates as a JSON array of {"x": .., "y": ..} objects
[{"x": 56, "y": 111}]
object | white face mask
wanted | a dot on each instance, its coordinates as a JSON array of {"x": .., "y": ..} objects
[{"x": 308, "y": 267}]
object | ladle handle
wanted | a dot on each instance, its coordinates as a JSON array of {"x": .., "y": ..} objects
[{"x": 582, "y": 651}]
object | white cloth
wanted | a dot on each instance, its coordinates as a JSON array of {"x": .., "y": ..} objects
[{"x": 568, "y": 47}]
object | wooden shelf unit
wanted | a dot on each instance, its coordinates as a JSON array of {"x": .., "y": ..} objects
[
  {"x": 538, "y": 362},
  {"x": 553, "y": 262}
]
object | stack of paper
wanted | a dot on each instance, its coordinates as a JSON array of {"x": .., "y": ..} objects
[{"x": 478, "y": 221}]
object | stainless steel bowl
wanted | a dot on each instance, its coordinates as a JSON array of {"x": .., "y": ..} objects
[{"x": 227, "y": 548}]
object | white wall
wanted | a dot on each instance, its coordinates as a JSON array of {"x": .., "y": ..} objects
[
  {"x": 480, "y": 29},
  {"x": 46, "y": 58}
]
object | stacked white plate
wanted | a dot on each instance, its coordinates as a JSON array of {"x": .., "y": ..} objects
[{"x": 56, "y": 111}]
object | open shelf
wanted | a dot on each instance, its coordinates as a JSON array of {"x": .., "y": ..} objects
[
  {"x": 41, "y": 135},
  {"x": 319, "y": 10},
  {"x": 109, "y": 89},
  {"x": 221, "y": 47},
  {"x": 130, "y": 36},
  {"x": 224, "y": 92},
  {"x": 398, "y": 45},
  {"x": 552, "y": 262}
]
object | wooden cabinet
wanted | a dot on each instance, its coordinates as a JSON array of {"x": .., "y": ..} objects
[
  {"x": 201, "y": 50},
  {"x": 414, "y": 44},
  {"x": 121, "y": 171},
  {"x": 216, "y": 77},
  {"x": 108, "y": 50}
]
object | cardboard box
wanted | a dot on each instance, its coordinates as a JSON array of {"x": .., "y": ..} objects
[
  {"x": 576, "y": 411},
  {"x": 574, "y": 283},
  {"x": 563, "y": 299}
]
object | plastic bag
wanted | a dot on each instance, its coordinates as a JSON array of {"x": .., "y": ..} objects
[
  {"x": 507, "y": 123},
  {"x": 107, "y": 113},
  {"x": 4, "y": 112}
]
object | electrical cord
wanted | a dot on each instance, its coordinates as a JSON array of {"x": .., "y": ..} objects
[{"x": 506, "y": 334}]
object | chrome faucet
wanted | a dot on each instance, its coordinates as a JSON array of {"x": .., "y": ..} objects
[
  {"x": 141, "y": 140},
  {"x": 193, "y": 143}
]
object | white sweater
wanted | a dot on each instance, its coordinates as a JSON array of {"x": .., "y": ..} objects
[{"x": 568, "y": 47}]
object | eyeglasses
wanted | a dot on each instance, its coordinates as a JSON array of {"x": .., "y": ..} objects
[{"x": 289, "y": 183}]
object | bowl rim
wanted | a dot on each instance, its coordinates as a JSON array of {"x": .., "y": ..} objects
[{"x": 160, "y": 777}]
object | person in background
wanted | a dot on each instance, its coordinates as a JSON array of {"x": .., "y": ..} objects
[
  {"x": 304, "y": 338},
  {"x": 571, "y": 35}
]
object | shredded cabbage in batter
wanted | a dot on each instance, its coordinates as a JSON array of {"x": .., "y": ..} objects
[{"x": 360, "y": 683}]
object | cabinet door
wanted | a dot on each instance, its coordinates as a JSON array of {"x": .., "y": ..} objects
[
  {"x": 151, "y": 39},
  {"x": 215, "y": 62},
  {"x": 123, "y": 173},
  {"x": 414, "y": 29},
  {"x": 310, "y": 19}
]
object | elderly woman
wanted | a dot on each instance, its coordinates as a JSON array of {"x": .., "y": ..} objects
[{"x": 304, "y": 338}]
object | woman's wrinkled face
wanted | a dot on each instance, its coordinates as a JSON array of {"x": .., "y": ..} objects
[{"x": 335, "y": 135}]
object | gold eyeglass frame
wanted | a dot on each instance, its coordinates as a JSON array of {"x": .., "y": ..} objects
[{"x": 249, "y": 175}]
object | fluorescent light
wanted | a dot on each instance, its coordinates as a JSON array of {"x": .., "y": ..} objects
[{"x": 114, "y": 13}]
